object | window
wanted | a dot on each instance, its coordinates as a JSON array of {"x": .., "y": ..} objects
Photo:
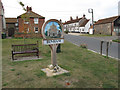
[
  {"x": 16, "y": 24},
  {"x": 35, "y": 20},
  {"x": 82, "y": 29},
  {"x": 26, "y": 22},
  {"x": 36, "y": 29},
  {"x": 17, "y": 28},
  {"x": 28, "y": 30}
]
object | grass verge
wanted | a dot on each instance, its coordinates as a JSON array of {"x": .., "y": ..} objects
[{"x": 87, "y": 69}]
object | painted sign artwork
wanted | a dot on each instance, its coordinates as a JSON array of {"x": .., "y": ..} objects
[{"x": 53, "y": 30}]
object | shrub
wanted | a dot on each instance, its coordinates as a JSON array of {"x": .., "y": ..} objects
[
  {"x": 66, "y": 31},
  {"x": 12, "y": 69},
  {"x": 83, "y": 46},
  {"x": 117, "y": 40}
]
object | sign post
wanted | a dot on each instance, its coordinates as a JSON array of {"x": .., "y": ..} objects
[{"x": 52, "y": 32}]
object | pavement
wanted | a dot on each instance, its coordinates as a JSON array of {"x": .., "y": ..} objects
[
  {"x": 104, "y": 38},
  {"x": 93, "y": 44}
]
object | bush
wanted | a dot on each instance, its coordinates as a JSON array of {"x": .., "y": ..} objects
[
  {"x": 66, "y": 31},
  {"x": 117, "y": 40},
  {"x": 83, "y": 46}
]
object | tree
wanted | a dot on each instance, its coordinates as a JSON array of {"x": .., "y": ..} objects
[{"x": 26, "y": 18}]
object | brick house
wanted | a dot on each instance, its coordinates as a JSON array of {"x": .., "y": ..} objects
[
  {"x": 108, "y": 26},
  {"x": 80, "y": 25},
  {"x": 2, "y": 20},
  {"x": 11, "y": 26},
  {"x": 30, "y": 22}
]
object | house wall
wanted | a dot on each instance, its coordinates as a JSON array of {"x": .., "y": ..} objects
[
  {"x": 104, "y": 29},
  {"x": 116, "y": 29},
  {"x": 2, "y": 19},
  {"x": 72, "y": 27},
  {"x": 87, "y": 26},
  {"x": 31, "y": 25},
  {"x": 1, "y": 26}
]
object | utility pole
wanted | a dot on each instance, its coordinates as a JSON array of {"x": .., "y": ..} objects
[{"x": 91, "y": 11}]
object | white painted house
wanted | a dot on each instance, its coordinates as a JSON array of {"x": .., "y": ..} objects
[{"x": 80, "y": 25}]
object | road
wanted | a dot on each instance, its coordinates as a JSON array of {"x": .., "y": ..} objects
[{"x": 93, "y": 44}]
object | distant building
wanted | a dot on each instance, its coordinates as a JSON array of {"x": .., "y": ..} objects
[
  {"x": 2, "y": 20},
  {"x": 108, "y": 26},
  {"x": 80, "y": 25},
  {"x": 52, "y": 32},
  {"x": 11, "y": 26},
  {"x": 119, "y": 8},
  {"x": 30, "y": 22}
]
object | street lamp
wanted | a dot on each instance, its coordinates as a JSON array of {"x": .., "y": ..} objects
[{"x": 91, "y": 11}]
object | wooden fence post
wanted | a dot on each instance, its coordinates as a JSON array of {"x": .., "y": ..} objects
[
  {"x": 101, "y": 47},
  {"x": 107, "y": 44}
]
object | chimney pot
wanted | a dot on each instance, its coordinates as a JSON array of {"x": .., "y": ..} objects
[
  {"x": 71, "y": 18},
  {"x": 83, "y": 15},
  {"x": 29, "y": 8},
  {"x": 76, "y": 17}
]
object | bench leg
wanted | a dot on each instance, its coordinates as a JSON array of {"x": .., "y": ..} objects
[
  {"x": 38, "y": 54},
  {"x": 12, "y": 56}
]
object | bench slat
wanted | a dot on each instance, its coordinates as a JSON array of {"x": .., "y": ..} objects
[{"x": 35, "y": 51}]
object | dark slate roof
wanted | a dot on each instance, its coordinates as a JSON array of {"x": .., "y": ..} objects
[
  {"x": 11, "y": 20},
  {"x": 106, "y": 20},
  {"x": 32, "y": 14},
  {"x": 82, "y": 24}
]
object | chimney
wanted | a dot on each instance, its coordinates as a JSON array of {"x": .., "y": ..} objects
[
  {"x": 29, "y": 8},
  {"x": 60, "y": 20},
  {"x": 84, "y": 16},
  {"x": 76, "y": 17},
  {"x": 71, "y": 18}
]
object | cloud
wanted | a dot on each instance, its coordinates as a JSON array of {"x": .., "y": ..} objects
[{"x": 63, "y": 9}]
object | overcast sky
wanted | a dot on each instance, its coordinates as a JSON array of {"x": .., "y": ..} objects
[{"x": 63, "y": 9}]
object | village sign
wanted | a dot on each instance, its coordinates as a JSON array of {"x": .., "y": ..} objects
[{"x": 52, "y": 32}]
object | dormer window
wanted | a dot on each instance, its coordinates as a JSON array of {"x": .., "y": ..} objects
[{"x": 35, "y": 20}]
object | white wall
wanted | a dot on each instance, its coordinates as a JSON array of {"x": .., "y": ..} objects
[
  {"x": 72, "y": 27},
  {"x": 87, "y": 26}
]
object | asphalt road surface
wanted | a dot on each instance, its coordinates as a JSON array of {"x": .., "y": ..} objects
[{"x": 94, "y": 44}]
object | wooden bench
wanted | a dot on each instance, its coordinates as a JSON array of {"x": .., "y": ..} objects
[{"x": 24, "y": 49}]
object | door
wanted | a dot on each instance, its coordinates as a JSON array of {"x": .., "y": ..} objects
[{"x": 11, "y": 32}]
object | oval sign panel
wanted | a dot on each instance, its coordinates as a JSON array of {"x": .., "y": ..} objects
[{"x": 52, "y": 32}]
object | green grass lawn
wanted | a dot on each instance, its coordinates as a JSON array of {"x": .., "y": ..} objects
[
  {"x": 87, "y": 69},
  {"x": 117, "y": 40}
]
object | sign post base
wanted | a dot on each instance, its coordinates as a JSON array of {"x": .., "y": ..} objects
[{"x": 50, "y": 71}]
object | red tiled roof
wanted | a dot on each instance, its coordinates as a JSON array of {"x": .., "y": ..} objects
[
  {"x": 106, "y": 20},
  {"x": 81, "y": 23},
  {"x": 31, "y": 14},
  {"x": 11, "y": 20}
]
